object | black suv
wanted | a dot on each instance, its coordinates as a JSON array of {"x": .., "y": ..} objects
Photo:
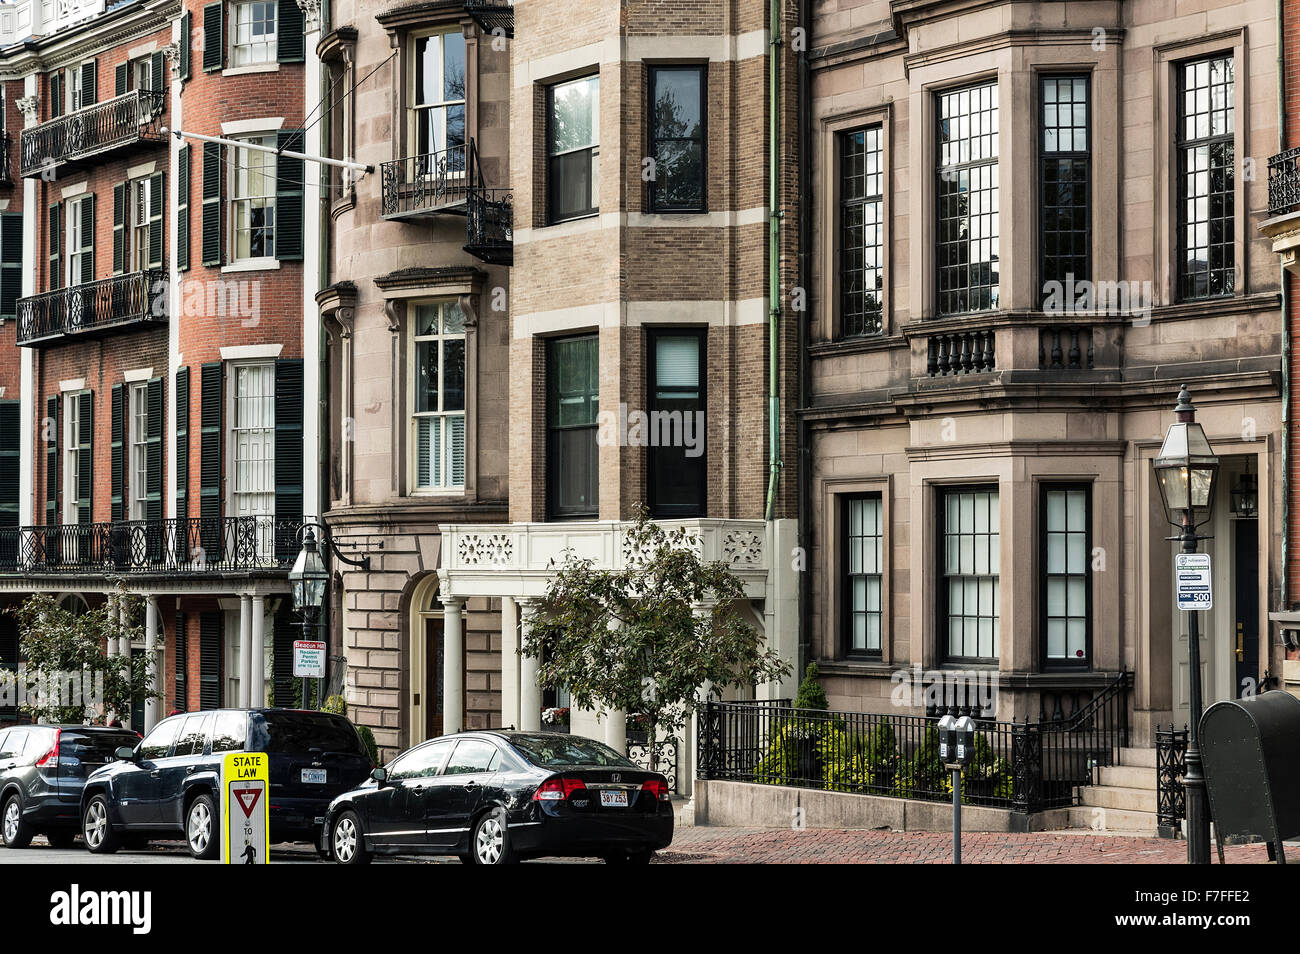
[
  {"x": 169, "y": 783},
  {"x": 42, "y": 770}
]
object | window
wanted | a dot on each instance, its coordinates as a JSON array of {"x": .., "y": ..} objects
[
  {"x": 573, "y": 149},
  {"x": 676, "y": 474},
  {"x": 252, "y": 204},
  {"x": 969, "y": 562},
  {"x": 967, "y": 199},
  {"x": 193, "y": 735},
  {"x": 139, "y": 457},
  {"x": 421, "y": 762},
  {"x": 142, "y": 73},
  {"x": 1064, "y": 182},
  {"x": 81, "y": 240},
  {"x": 863, "y": 574},
  {"x": 73, "y": 458},
  {"x": 1067, "y": 580},
  {"x": 862, "y": 242},
  {"x": 439, "y": 396},
  {"x": 76, "y": 88},
  {"x": 252, "y": 38},
  {"x": 158, "y": 743},
  {"x": 438, "y": 97},
  {"x": 1205, "y": 178},
  {"x": 138, "y": 214},
  {"x": 472, "y": 756},
  {"x": 572, "y": 403},
  {"x": 253, "y": 449},
  {"x": 229, "y": 732},
  {"x": 678, "y": 111}
]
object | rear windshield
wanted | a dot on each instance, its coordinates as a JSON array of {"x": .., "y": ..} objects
[
  {"x": 94, "y": 746},
  {"x": 550, "y": 751},
  {"x": 299, "y": 732}
]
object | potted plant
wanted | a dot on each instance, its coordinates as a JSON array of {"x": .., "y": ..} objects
[{"x": 556, "y": 718}]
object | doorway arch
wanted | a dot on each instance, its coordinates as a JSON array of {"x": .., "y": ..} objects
[{"x": 425, "y": 660}]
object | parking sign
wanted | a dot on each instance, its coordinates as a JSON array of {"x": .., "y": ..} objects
[{"x": 1192, "y": 583}]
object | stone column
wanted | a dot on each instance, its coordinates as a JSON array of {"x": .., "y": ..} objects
[
  {"x": 114, "y": 617},
  {"x": 245, "y": 648},
  {"x": 152, "y": 707},
  {"x": 257, "y": 672},
  {"x": 616, "y": 730},
  {"x": 453, "y": 665},
  {"x": 530, "y": 693}
]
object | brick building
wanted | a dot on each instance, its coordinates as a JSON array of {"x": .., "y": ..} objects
[{"x": 168, "y": 381}]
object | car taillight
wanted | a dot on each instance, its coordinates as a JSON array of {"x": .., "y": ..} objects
[
  {"x": 656, "y": 788},
  {"x": 558, "y": 789},
  {"x": 51, "y": 758}
]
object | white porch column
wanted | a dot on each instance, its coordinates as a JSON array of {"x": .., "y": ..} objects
[
  {"x": 114, "y": 617},
  {"x": 257, "y": 654},
  {"x": 509, "y": 662},
  {"x": 616, "y": 730},
  {"x": 453, "y": 665},
  {"x": 152, "y": 707},
  {"x": 245, "y": 648},
  {"x": 530, "y": 693}
]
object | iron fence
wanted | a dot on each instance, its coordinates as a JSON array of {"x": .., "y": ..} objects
[
  {"x": 426, "y": 183},
  {"x": 132, "y": 117},
  {"x": 664, "y": 761},
  {"x": 1171, "y": 802},
  {"x": 93, "y": 306},
  {"x": 490, "y": 224},
  {"x": 1284, "y": 182}
]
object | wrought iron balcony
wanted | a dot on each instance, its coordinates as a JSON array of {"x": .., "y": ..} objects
[
  {"x": 492, "y": 15},
  {"x": 188, "y": 547},
  {"x": 130, "y": 120},
  {"x": 489, "y": 225},
  {"x": 1284, "y": 182},
  {"x": 436, "y": 182},
  {"x": 137, "y": 298}
]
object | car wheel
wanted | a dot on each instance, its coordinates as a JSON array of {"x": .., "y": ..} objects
[
  {"x": 346, "y": 844},
  {"x": 61, "y": 838},
  {"x": 201, "y": 828},
  {"x": 490, "y": 841},
  {"x": 96, "y": 829},
  {"x": 17, "y": 833}
]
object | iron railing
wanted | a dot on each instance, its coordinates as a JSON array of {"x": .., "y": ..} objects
[
  {"x": 433, "y": 182},
  {"x": 1171, "y": 801},
  {"x": 493, "y": 16},
  {"x": 489, "y": 225},
  {"x": 191, "y": 546},
  {"x": 1023, "y": 766},
  {"x": 964, "y": 352},
  {"x": 94, "y": 306},
  {"x": 124, "y": 120},
  {"x": 664, "y": 761},
  {"x": 1284, "y": 181}
]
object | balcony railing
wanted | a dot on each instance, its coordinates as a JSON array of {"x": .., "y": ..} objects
[
  {"x": 493, "y": 15},
  {"x": 421, "y": 185},
  {"x": 1065, "y": 348},
  {"x": 127, "y": 120},
  {"x": 193, "y": 546},
  {"x": 1284, "y": 182},
  {"x": 963, "y": 352},
  {"x": 490, "y": 225},
  {"x": 94, "y": 307}
]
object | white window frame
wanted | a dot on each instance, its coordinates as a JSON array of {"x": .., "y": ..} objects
[
  {"x": 73, "y": 85},
  {"x": 244, "y": 50},
  {"x": 440, "y": 417},
  {"x": 77, "y": 243},
  {"x": 416, "y": 109},
  {"x": 137, "y": 227},
  {"x": 260, "y": 470},
  {"x": 137, "y": 443},
  {"x": 71, "y": 473},
  {"x": 141, "y": 73},
  {"x": 244, "y": 161}
]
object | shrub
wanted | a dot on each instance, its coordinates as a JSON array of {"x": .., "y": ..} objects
[
  {"x": 336, "y": 704},
  {"x": 368, "y": 740},
  {"x": 811, "y": 694}
]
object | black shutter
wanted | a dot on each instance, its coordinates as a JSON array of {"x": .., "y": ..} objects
[
  {"x": 288, "y": 455},
  {"x": 52, "y": 236},
  {"x": 11, "y": 263},
  {"x": 288, "y": 197},
  {"x": 88, "y": 83},
  {"x": 211, "y": 203},
  {"x": 210, "y": 414},
  {"x": 213, "y": 36},
  {"x": 183, "y": 458},
  {"x": 289, "y": 39},
  {"x": 8, "y": 658},
  {"x": 285, "y": 630},
  {"x": 156, "y": 192},
  {"x": 51, "y": 429},
  {"x": 180, "y": 656},
  {"x": 153, "y": 467},
  {"x": 9, "y": 467},
  {"x": 187, "y": 27},
  {"x": 156, "y": 81},
  {"x": 119, "y": 78},
  {"x": 117, "y": 507},
  {"x": 56, "y": 94},
  {"x": 88, "y": 232},
  {"x": 119, "y": 227},
  {"x": 209, "y": 660},
  {"x": 183, "y": 207},
  {"x": 85, "y": 457}
]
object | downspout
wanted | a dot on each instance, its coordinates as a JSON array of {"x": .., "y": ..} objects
[
  {"x": 774, "y": 258},
  {"x": 805, "y": 282},
  {"x": 1286, "y": 331}
]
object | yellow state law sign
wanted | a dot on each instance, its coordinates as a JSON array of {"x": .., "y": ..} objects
[{"x": 245, "y": 803}]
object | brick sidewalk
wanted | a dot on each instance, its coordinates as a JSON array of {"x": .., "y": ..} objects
[{"x": 821, "y": 846}]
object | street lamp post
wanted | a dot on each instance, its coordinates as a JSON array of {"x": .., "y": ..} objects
[{"x": 1186, "y": 471}]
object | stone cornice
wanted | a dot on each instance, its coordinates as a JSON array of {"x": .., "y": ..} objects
[{"x": 95, "y": 37}]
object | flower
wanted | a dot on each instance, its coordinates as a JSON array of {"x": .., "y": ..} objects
[{"x": 556, "y": 715}]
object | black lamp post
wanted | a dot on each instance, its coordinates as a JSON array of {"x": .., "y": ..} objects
[{"x": 1186, "y": 470}]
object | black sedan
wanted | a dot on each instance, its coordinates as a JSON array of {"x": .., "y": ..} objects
[{"x": 496, "y": 797}]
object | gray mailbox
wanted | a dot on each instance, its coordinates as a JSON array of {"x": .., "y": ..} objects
[{"x": 1250, "y": 749}]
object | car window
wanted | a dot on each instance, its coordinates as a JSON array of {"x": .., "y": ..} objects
[
  {"x": 157, "y": 742},
  {"x": 14, "y": 742},
  {"x": 279, "y": 730},
  {"x": 421, "y": 762},
  {"x": 229, "y": 732},
  {"x": 472, "y": 755},
  {"x": 94, "y": 748},
  {"x": 549, "y": 751},
  {"x": 193, "y": 734}
]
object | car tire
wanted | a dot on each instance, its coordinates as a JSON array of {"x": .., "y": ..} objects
[
  {"x": 201, "y": 828},
  {"x": 62, "y": 838},
  {"x": 347, "y": 846},
  {"x": 97, "y": 830},
  {"x": 17, "y": 833},
  {"x": 489, "y": 842}
]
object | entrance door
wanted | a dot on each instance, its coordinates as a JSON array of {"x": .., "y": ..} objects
[
  {"x": 1246, "y": 586},
  {"x": 433, "y": 677}
]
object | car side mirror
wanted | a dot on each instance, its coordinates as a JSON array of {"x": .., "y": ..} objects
[
  {"x": 125, "y": 752},
  {"x": 380, "y": 775}
]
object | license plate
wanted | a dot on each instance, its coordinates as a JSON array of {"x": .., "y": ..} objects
[
  {"x": 613, "y": 799},
  {"x": 313, "y": 776}
]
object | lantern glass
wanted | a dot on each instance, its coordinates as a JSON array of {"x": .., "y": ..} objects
[
  {"x": 1186, "y": 469},
  {"x": 308, "y": 577}
]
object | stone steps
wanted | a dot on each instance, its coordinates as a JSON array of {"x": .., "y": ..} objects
[{"x": 1124, "y": 801}]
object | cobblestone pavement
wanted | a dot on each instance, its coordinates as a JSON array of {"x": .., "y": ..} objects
[{"x": 818, "y": 846}]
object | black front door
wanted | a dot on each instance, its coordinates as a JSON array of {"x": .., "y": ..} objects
[{"x": 1246, "y": 599}]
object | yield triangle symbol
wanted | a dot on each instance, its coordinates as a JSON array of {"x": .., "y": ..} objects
[{"x": 247, "y": 798}]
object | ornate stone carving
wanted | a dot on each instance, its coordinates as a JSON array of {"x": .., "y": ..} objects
[
  {"x": 172, "y": 54},
  {"x": 30, "y": 106},
  {"x": 486, "y": 549},
  {"x": 310, "y": 15},
  {"x": 742, "y": 549}
]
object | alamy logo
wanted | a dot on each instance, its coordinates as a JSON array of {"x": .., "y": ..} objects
[{"x": 75, "y": 908}]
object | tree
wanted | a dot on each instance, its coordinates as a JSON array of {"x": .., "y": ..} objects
[
  {"x": 646, "y": 638},
  {"x": 69, "y": 676}
]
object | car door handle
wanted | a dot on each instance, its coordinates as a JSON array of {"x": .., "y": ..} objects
[
  {"x": 471, "y": 784},
  {"x": 191, "y": 769},
  {"x": 155, "y": 773}
]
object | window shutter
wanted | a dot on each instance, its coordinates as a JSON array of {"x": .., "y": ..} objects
[
  {"x": 119, "y": 78},
  {"x": 288, "y": 454},
  {"x": 183, "y": 208},
  {"x": 52, "y": 237},
  {"x": 11, "y": 263},
  {"x": 119, "y": 228},
  {"x": 88, "y": 96},
  {"x": 9, "y": 659},
  {"x": 288, "y": 197},
  {"x": 211, "y": 203},
  {"x": 85, "y": 457},
  {"x": 9, "y": 467},
  {"x": 214, "y": 37},
  {"x": 183, "y": 457},
  {"x": 156, "y": 81},
  {"x": 289, "y": 39},
  {"x": 56, "y": 94},
  {"x": 88, "y": 231},
  {"x": 180, "y": 702},
  {"x": 117, "y": 507},
  {"x": 51, "y": 427},
  {"x": 210, "y": 414},
  {"x": 187, "y": 27},
  {"x": 209, "y": 660},
  {"x": 156, "y": 193}
]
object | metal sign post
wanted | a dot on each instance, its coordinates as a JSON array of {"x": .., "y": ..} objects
[{"x": 245, "y": 798}]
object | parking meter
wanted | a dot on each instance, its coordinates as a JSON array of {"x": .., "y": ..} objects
[
  {"x": 964, "y": 729},
  {"x": 947, "y": 739}
]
